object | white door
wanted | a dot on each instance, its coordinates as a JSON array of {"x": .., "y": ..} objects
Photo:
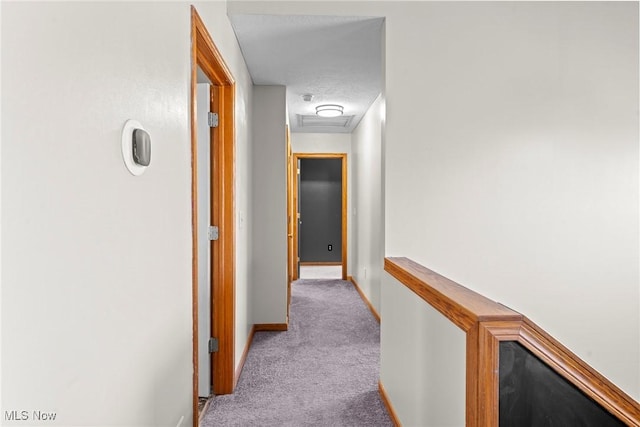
[{"x": 204, "y": 263}]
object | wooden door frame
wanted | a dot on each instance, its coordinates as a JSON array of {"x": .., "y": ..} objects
[
  {"x": 205, "y": 55},
  {"x": 290, "y": 220},
  {"x": 296, "y": 157}
]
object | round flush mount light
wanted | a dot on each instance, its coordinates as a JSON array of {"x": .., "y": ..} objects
[
  {"x": 329, "y": 110},
  {"x": 307, "y": 97}
]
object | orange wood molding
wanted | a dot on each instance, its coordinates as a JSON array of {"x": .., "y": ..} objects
[
  {"x": 345, "y": 216},
  {"x": 364, "y": 298},
  {"x": 487, "y": 376},
  {"x": 275, "y": 327},
  {"x": 461, "y": 305},
  {"x": 472, "y": 384},
  {"x": 579, "y": 373},
  {"x": 223, "y": 253},
  {"x": 245, "y": 352},
  {"x": 290, "y": 213},
  {"x": 487, "y": 323},
  {"x": 387, "y": 403},
  {"x": 205, "y": 55},
  {"x": 194, "y": 223}
]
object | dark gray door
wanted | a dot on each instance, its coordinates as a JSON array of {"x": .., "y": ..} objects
[{"x": 320, "y": 207}]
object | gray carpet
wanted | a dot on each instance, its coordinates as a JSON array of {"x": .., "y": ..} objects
[{"x": 322, "y": 372}]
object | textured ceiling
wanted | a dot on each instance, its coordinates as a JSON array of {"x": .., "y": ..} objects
[{"x": 337, "y": 59}]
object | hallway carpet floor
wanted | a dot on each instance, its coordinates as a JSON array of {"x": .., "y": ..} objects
[{"x": 323, "y": 371}]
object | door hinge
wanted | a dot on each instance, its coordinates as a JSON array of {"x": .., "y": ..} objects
[
  {"x": 213, "y": 345},
  {"x": 212, "y": 119},
  {"x": 213, "y": 232}
]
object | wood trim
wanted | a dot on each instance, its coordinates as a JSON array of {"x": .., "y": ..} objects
[
  {"x": 472, "y": 385},
  {"x": 559, "y": 358},
  {"x": 460, "y": 305},
  {"x": 295, "y": 215},
  {"x": 345, "y": 217},
  {"x": 345, "y": 208},
  {"x": 364, "y": 298},
  {"x": 273, "y": 327},
  {"x": 208, "y": 56},
  {"x": 579, "y": 373},
  {"x": 487, "y": 323},
  {"x": 245, "y": 353},
  {"x": 487, "y": 377},
  {"x": 223, "y": 214},
  {"x": 205, "y": 55},
  {"x": 194, "y": 222},
  {"x": 387, "y": 403},
  {"x": 290, "y": 213}
]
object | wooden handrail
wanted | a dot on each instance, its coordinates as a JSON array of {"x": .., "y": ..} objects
[
  {"x": 579, "y": 373},
  {"x": 459, "y": 304},
  {"x": 486, "y": 323}
]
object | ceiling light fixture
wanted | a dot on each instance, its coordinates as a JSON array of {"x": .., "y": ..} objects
[{"x": 329, "y": 110}]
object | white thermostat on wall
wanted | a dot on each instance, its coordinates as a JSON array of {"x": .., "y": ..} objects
[{"x": 136, "y": 147}]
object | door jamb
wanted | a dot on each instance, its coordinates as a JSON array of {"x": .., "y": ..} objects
[
  {"x": 290, "y": 221},
  {"x": 342, "y": 156},
  {"x": 204, "y": 54}
]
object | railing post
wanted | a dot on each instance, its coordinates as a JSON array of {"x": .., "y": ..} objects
[
  {"x": 486, "y": 323},
  {"x": 472, "y": 418}
]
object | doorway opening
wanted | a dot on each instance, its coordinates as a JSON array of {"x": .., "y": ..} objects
[
  {"x": 315, "y": 271},
  {"x": 206, "y": 59},
  {"x": 319, "y": 210}
]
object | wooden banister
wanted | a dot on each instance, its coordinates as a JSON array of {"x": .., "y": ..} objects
[
  {"x": 459, "y": 304},
  {"x": 486, "y": 323}
]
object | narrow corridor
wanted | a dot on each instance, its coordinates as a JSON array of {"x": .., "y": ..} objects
[{"x": 323, "y": 371}]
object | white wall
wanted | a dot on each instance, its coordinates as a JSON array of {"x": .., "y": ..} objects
[
  {"x": 1, "y": 186},
  {"x": 368, "y": 244},
  {"x": 269, "y": 218},
  {"x": 339, "y": 143},
  {"x": 321, "y": 142},
  {"x": 512, "y": 158},
  {"x": 96, "y": 284},
  {"x": 523, "y": 180},
  {"x": 422, "y": 359}
]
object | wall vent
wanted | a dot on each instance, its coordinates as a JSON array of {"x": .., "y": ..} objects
[{"x": 313, "y": 121}]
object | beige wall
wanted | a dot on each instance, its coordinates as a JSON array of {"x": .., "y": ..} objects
[
  {"x": 422, "y": 359},
  {"x": 368, "y": 209},
  {"x": 522, "y": 182},
  {"x": 321, "y": 142},
  {"x": 96, "y": 277},
  {"x": 511, "y": 163},
  {"x": 332, "y": 143},
  {"x": 269, "y": 216},
  {"x": 511, "y": 159}
]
